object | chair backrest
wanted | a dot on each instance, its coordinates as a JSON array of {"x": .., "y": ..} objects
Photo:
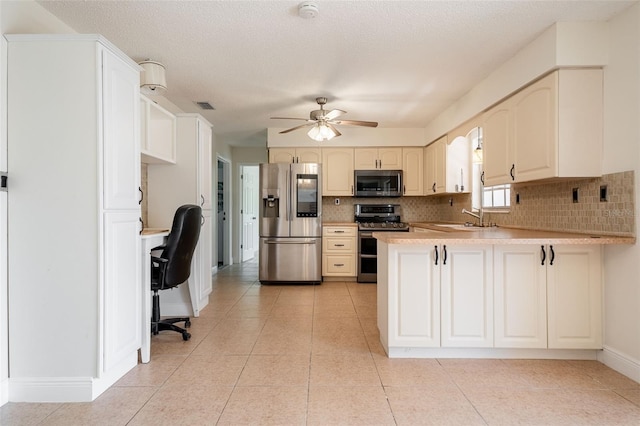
[{"x": 180, "y": 245}]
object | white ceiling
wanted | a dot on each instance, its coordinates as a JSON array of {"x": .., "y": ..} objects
[{"x": 396, "y": 62}]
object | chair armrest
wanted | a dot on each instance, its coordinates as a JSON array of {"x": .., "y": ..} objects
[
  {"x": 159, "y": 247},
  {"x": 159, "y": 259}
]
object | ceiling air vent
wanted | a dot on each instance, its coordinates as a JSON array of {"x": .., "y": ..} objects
[{"x": 205, "y": 105}]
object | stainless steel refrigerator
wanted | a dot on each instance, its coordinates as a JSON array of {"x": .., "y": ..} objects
[{"x": 290, "y": 223}]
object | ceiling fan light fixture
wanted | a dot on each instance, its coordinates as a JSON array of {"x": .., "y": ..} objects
[{"x": 321, "y": 132}]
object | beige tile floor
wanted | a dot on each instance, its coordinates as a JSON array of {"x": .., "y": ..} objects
[{"x": 310, "y": 355}]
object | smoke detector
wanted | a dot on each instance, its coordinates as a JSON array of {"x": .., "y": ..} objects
[{"x": 308, "y": 9}]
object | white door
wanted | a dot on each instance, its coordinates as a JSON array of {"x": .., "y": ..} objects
[{"x": 249, "y": 178}]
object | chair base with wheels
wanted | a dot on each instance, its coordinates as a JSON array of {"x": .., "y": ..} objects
[{"x": 157, "y": 324}]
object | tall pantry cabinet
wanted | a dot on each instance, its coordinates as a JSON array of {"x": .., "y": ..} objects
[
  {"x": 74, "y": 216},
  {"x": 186, "y": 182}
]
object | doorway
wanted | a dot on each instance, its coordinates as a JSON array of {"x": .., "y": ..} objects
[
  {"x": 249, "y": 176},
  {"x": 223, "y": 198}
]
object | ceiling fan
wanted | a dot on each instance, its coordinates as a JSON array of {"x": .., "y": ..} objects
[{"x": 322, "y": 122}]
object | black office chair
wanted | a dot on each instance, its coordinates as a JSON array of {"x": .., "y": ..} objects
[{"x": 173, "y": 267}]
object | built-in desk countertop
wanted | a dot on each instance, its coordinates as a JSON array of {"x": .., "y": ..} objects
[{"x": 452, "y": 234}]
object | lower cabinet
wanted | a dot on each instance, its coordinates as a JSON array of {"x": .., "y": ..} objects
[
  {"x": 436, "y": 295},
  {"x": 548, "y": 296},
  {"x": 339, "y": 251},
  {"x": 484, "y": 296}
]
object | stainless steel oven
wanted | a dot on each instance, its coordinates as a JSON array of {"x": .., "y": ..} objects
[{"x": 374, "y": 218}]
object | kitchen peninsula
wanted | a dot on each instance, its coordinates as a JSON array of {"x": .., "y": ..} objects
[{"x": 493, "y": 292}]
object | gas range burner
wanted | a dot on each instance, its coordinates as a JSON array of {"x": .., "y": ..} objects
[{"x": 383, "y": 226}]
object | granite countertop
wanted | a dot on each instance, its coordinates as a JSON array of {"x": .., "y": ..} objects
[{"x": 439, "y": 233}]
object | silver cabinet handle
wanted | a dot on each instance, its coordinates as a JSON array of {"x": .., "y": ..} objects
[{"x": 290, "y": 242}]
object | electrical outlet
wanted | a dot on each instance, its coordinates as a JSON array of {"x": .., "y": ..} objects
[
  {"x": 336, "y": 201},
  {"x": 574, "y": 194},
  {"x": 517, "y": 198},
  {"x": 603, "y": 193}
]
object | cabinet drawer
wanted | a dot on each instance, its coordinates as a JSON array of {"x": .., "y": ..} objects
[
  {"x": 336, "y": 244},
  {"x": 339, "y": 231},
  {"x": 338, "y": 265}
]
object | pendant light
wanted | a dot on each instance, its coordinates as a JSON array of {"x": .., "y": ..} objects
[{"x": 152, "y": 80}]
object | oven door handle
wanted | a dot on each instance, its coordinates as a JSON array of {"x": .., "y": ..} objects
[{"x": 366, "y": 234}]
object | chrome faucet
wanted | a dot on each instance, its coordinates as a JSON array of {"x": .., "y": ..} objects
[{"x": 478, "y": 216}]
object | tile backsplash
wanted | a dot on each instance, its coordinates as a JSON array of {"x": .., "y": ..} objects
[{"x": 543, "y": 206}]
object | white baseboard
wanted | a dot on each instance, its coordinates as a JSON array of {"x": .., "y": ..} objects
[
  {"x": 67, "y": 389},
  {"x": 582, "y": 354},
  {"x": 4, "y": 392},
  {"x": 620, "y": 362}
]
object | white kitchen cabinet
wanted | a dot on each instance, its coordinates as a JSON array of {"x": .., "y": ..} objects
[
  {"x": 74, "y": 311},
  {"x": 337, "y": 172},
  {"x": 550, "y": 129},
  {"x": 435, "y": 158},
  {"x": 467, "y": 296},
  {"x": 408, "y": 292},
  {"x": 378, "y": 158},
  {"x": 201, "y": 264},
  {"x": 548, "y": 296},
  {"x": 157, "y": 133},
  {"x": 574, "y": 296},
  {"x": 339, "y": 251},
  {"x": 295, "y": 155},
  {"x": 413, "y": 171},
  {"x": 520, "y": 289},
  {"x": 186, "y": 182},
  {"x": 447, "y": 166}
]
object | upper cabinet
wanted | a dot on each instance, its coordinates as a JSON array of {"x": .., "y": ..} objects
[
  {"x": 295, "y": 155},
  {"x": 550, "y": 129},
  {"x": 337, "y": 173},
  {"x": 157, "y": 133},
  {"x": 447, "y": 166},
  {"x": 378, "y": 158},
  {"x": 413, "y": 171}
]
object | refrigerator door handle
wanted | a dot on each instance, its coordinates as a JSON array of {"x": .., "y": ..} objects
[{"x": 288, "y": 187}]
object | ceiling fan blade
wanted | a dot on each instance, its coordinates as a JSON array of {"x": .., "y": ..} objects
[
  {"x": 356, "y": 123},
  {"x": 290, "y": 118},
  {"x": 298, "y": 127},
  {"x": 329, "y": 125},
  {"x": 334, "y": 113}
]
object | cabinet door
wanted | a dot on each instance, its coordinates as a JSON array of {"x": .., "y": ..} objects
[
  {"x": 414, "y": 305},
  {"x": 497, "y": 156},
  {"x": 574, "y": 294},
  {"x": 390, "y": 158},
  {"x": 121, "y": 137},
  {"x": 520, "y": 295},
  {"x": 467, "y": 296},
  {"x": 337, "y": 171},
  {"x": 282, "y": 155},
  {"x": 161, "y": 134},
  {"x": 365, "y": 159},
  {"x": 412, "y": 171},
  {"x": 200, "y": 280},
  {"x": 204, "y": 165},
  {"x": 535, "y": 129},
  {"x": 435, "y": 166},
  {"x": 308, "y": 155},
  {"x": 122, "y": 287}
]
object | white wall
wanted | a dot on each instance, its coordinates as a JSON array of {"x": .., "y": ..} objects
[{"x": 622, "y": 152}]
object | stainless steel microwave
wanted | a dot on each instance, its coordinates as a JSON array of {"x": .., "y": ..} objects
[{"x": 378, "y": 183}]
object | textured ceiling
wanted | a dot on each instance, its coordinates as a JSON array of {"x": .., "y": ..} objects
[{"x": 396, "y": 62}]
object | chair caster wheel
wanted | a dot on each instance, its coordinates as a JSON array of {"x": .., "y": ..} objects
[
  {"x": 186, "y": 336},
  {"x": 187, "y": 324}
]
